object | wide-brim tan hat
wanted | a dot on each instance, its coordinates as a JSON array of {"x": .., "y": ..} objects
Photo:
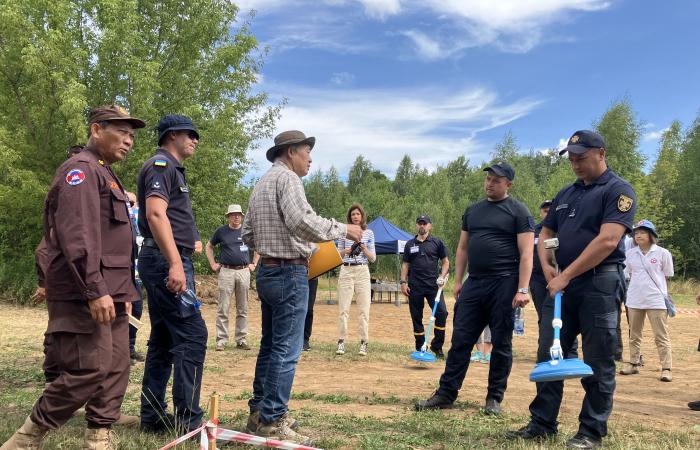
[
  {"x": 233, "y": 209},
  {"x": 287, "y": 138}
]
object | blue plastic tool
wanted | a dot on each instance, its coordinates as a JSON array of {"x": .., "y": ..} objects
[
  {"x": 559, "y": 368},
  {"x": 423, "y": 355}
]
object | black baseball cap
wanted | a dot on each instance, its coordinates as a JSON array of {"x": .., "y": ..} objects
[
  {"x": 175, "y": 122},
  {"x": 424, "y": 218},
  {"x": 546, "y": 204},
  {"x": 501, "y": 169},
  {"x": 582, "y": 141}
]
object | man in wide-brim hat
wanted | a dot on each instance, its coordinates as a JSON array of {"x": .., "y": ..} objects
[{"x": 286, "y": 139}]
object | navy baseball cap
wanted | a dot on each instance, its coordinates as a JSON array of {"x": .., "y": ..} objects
[
  {"x": 424, "y": 218},
  {"x": 546, "y": 204},
  {"x": 175, "y": 122},
  {"x": 582, "y": 141},
  {"x": 501, "y": 169}
]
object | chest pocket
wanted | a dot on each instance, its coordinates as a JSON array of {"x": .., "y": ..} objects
[{"x": 120, "y": 213}]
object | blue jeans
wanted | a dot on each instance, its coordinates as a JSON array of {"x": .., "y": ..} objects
[
  {"x": 178, "y": 341},
  {"x": 283, "y": 292}
]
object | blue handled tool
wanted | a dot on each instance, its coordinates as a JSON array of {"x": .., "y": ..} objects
[{"x": 423, "y": 355}]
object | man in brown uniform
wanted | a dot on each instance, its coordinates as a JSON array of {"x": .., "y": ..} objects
[{"x": 89, "y": 278}]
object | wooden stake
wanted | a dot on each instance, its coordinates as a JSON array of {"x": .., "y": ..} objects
[{"x": 213, "y": 415}]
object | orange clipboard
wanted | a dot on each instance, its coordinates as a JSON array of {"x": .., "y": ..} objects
[{"x": 325, "y": 259}]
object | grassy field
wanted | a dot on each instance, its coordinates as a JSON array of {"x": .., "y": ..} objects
[{"x": 465, "y": 427}]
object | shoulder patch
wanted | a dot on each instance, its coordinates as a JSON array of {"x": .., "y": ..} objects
[
  {"x": 160, "y": 163},
  {"x": 75, "y": 177},
  {"x": 624, "y": 203}
]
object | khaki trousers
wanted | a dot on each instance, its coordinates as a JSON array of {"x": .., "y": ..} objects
[
  {"x": 354, "y": 282},
  {"x": 232, "y": 282},
  {"x": 658, "y": 319}
]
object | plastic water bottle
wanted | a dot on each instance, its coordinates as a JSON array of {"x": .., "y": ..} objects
[
  {"x": 519, "y": 327},
  {"x": 189, "y": 298}
]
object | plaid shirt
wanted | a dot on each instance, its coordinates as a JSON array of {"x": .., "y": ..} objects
[{"x": 280, "y": 223}]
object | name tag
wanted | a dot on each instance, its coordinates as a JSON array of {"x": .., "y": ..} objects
[
  {"x": 244, "y": 248},
  {"x": 414, "y": 249},
  {"x": 184, "y": 189},
  {"x": 537, "y": 239},
  {"x": 562, "y": 206}
]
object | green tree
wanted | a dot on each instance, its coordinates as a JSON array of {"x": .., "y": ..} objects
[
  {"x": 622, "y": 131},
  {"x": 59, "y": 58}
]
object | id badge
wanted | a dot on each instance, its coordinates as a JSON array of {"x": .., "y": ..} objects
[{"x": 414, "y": 249}]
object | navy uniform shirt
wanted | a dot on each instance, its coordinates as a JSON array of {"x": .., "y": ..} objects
[
  {"x": 493, "y": 229},
  {"x": 536, "y": 265},
  {"x": 233, "y": 251},
  {"x": 163, "y": 176},
  {"x": 423, "y": 258},
  {"x": 579, "y": 210}
]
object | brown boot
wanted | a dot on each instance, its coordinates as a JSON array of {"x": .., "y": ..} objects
[
  {"x": 100, "y": 439},
  {"x": 280, "y": 431},
  {"x": 128, "y": 421},
  {"x": 28, "y": 437}
]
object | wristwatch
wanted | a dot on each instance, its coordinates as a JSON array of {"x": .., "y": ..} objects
[{"x": 523, "y": 291}]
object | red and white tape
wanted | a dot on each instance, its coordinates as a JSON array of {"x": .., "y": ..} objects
[
  {"x": 182, "y": 439},
  {"x": 236, "y": 436}
]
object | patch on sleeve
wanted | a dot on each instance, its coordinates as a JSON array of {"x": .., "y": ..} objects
[
  {"x": 160, "y": 163},
  {"x": 156, "y": 185},
  {"x": 624, "y": 203},
  {"x": 75, "y": 177}
]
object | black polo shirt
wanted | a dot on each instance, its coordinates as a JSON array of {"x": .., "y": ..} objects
[
  {"x": 423, "y": 259},
  {"x": 163, "y": 176},
  {"x": 579, "y": 210},
  {"x": 536, "y": 264},
  {"x": 493, "y": 229},
  {"x": 233, "y": 251}
]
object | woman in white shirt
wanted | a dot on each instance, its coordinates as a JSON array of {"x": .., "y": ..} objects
[
  {"x": 354, "y": 280},
  {"x": 648, "y": 266}
]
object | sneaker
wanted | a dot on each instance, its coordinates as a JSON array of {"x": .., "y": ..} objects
[
  {"x": 281, "y": 431},
  {"x": 363, "y": 348},
  {"x": 486, "y": 359},
  {"x": 341, "y": 348},
  {"x": 439, "y": 354},
  {"x": 630, "y": 369},
  {"x": 220, "y": 347},
  {"x": 581, "y": 441},
  {"x": 164, "y": 424},
  {"x": 100, "y": 439},
  {"x": 437, "y": 401},
  {"x": 476, "y": 356},
  {"x": 666, "y": 375},
  {"x": 127, "y": 421},
  {"x": 695, "y": 406},
  {"x": 306, "y": 346},
  {"x": 527, "y": 433},
  {"x": 242, "y": 346},
  {"x": 29, "y": 436},
  {"x": 253, "y": 421},
  {"x": 492, "y": 407}
]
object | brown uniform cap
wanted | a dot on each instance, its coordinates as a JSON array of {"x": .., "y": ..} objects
[{"x": 113, "y": 112}]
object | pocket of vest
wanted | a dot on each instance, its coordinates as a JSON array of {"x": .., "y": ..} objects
[{"x": 120, "y": 213}]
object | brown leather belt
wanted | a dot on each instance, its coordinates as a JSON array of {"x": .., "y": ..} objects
[
  {"x": 282, "y": 262},
  {"x": 227, "y": 266}
]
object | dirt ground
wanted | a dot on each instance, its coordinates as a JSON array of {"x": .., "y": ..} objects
[{"x": 639, "y": 399}]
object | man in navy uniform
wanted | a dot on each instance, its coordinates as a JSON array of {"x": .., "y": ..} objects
[
  {"x": 178, "y": 333},
  {"x": 420, "y": 281},
  {"x": 590, "y": 218},
  {"x": 495, "y": 245}
]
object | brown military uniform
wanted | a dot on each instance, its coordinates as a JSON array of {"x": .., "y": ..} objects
[{"x": 89, "y": 254}]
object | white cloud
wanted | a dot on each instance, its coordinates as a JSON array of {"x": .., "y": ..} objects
[
  {"x": 431, "y": 126},
  {"x": 342, "y": 78},
  {"x": 380, "y": 9},
  {"x": 654, "y": 135}
]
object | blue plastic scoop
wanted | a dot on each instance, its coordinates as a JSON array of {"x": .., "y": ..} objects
[{"x": 423, "y": 355}]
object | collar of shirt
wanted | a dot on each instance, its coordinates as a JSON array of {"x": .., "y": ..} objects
[
  {"x": 167, "y": 154},
  {"x": 652, "y": 249},
  {"x": 601, "y": 180},
  {"x": 418, "y": 241}
]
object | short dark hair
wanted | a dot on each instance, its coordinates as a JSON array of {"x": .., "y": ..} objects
[{"x": 357, "y": 206}]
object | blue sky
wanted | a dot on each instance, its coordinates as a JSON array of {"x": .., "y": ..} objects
[{"x": 436, "y": 79}]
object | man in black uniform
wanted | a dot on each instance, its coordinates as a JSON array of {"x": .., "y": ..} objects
[
  {"x": 590, "y": 217},
  {"x": 496, "y": 245},
  {"x": 420, "y": 280},
  {"x": 178, "y": 333}
]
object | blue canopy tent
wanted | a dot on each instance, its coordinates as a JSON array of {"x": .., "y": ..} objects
[{"x": 388, "y": 238}]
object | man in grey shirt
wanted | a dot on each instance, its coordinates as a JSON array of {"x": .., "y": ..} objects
[{"x": 282, "y": 227}]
